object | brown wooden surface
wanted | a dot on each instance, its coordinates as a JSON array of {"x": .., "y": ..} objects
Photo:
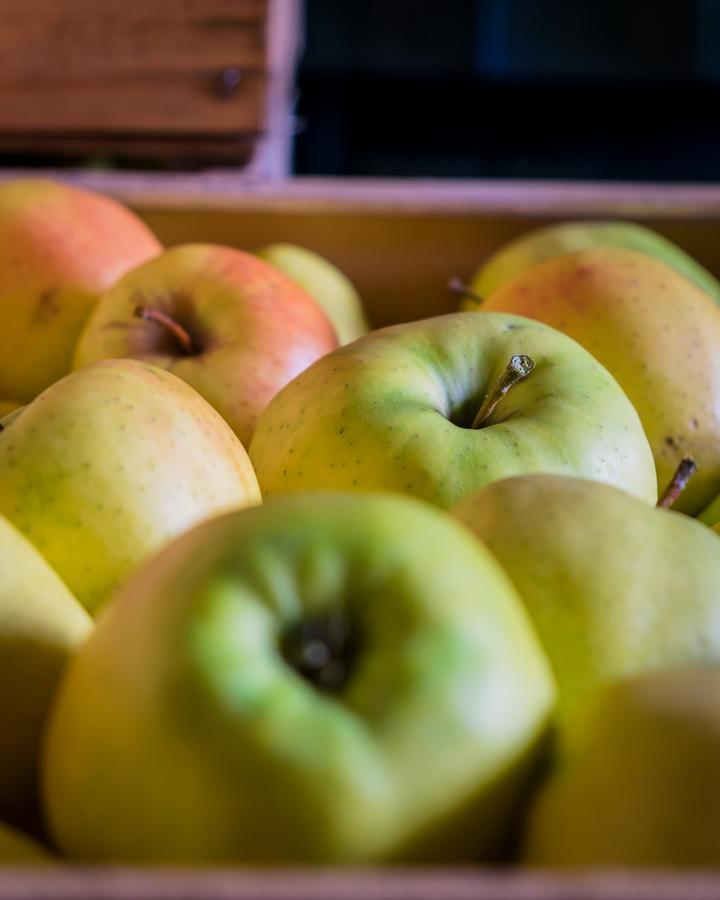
[
  {"x": 83, "y": 77},
  {"x": 130, "y": 65},
  {"x": 451, "y": 884},
  {"x": 44, "y": 39}
]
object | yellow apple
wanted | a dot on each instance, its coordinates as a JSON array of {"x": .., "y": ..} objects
[
  {"x": 41, "y": 623},
  {"x": 111, "y": 462}
]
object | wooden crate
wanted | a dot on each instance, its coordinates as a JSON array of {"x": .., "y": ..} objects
[
  {"x": 183, "y": 81},
  {"x": 398, "y": 241}
]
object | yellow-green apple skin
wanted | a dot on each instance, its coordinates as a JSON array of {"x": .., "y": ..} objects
[
  {"x": 41, "y": 624},
  {"x": 17, "y": 849},
  {"x": 541, "y": 244},
  {"x": 60, "y": 248},
  {"x": 711, "y": 514},
  {"x": 638, "y": 782},
  {"x": 392, "y": 411},
  {"x": 613, "y": 587},
  {"x": 110, "y": 463},
  {"x": 655, "y": 331},
  {"x": 253, "y": 329},
  {"x": 325, "y": 283},
  {"x": 187, "y": 730}
]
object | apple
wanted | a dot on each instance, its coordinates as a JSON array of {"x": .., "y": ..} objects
[
  {"x": 406, "y": 409},
  {"x": 639, "y": 783},
  {"x": 60, "y": 248},
  {"x": 20, "y": 849},
  {"x": 613, "y": 587},
  {"x": 329, "y": 679},
  {"x": 544, "y": 243},
  {"x": 41, "y": 624},
  {"x": 655, "y": 331},
  {"x": 110, "y": 463},
  {"x": 230, "y": 325},
  {"x": 325, "y": 283}
]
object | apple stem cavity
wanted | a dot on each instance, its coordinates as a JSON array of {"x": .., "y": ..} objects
[
  {"x": 458, "y": 287},
  {"x": 516, "y": 370},
  {"x": 149, "y": 314},
  {"x": 678, "y": 482},
  {"x": 322, "y": 649}
]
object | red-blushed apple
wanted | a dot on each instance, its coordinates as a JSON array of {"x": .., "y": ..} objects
[
  {"x": 655, "y": 331},
  {"x": 110, "y": 463},
  {"x": 229, "y": 324},
  {"x": 60, "y": 248}
]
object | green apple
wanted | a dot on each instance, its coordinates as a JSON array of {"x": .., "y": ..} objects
[
  {"x": 544, "y": 243},
  {"x": 402, "y": 409},
  {"x": 612, "y": 586},
  {"x": 655, "y": 331},
  {"x": 711, "y": 514},
  {"x": 111, "y": 462},
  {"x": 328, "y": 679},
  {"x": 227, "y": 323},
  {"x": 323, "y": 281},
  {"x": 19, "y": 850},
  {"x": 60, "y": 248},
  {"x": 41, "y": 624},
  {"x": 638, "y": 783}
]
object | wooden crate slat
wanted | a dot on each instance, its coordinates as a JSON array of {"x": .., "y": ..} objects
[
  {"x": 48, "y": 39},
  {"x": 181, "y": 103},
  {"x": 429, "y": 883}
]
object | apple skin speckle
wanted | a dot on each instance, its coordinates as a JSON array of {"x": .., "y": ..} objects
[
  {"x": 388, "y": 411},
  {"x": 148, "y": 471}
]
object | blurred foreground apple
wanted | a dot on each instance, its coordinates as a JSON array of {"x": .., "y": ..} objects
[
  {"x": 227, "y": 323},
  {"x": 41, "y": 623},
  {"x": 327, "y": 679},
  {"x": 60, "y": 248},
  {"x": 638, "y": 783},
  {"x": 110, "y": 463},
  {"x": 427, "y": 409},
  {"x": 613, "y": 587}
]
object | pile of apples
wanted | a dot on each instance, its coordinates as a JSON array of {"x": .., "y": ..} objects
[{"x": 277, "y": 590}]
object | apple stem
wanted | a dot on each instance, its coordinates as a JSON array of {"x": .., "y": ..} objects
[
  {"x": 457, "y": 286},
  {"x": 149, "y": 314},
  {"x": 678, "y": 482},
  {"x": 516, "y": 370}
]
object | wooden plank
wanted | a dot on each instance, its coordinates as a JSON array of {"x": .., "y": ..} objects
[
  {"x": 228, "y": 190},
  {"x": 44, "y": 39},
  {"x": 178, "y": 150},
  {"x": 138, "y": 103},
  {"x": 336, "y": 884}
]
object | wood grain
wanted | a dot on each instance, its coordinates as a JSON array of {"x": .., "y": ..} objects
[
  {"x": 141, "y": 103},
  {"x": 44, "y": 39},
  {"x": 105, "y": 73}
]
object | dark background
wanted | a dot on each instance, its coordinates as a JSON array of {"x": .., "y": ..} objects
[{"x": 611, "y": 89}]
